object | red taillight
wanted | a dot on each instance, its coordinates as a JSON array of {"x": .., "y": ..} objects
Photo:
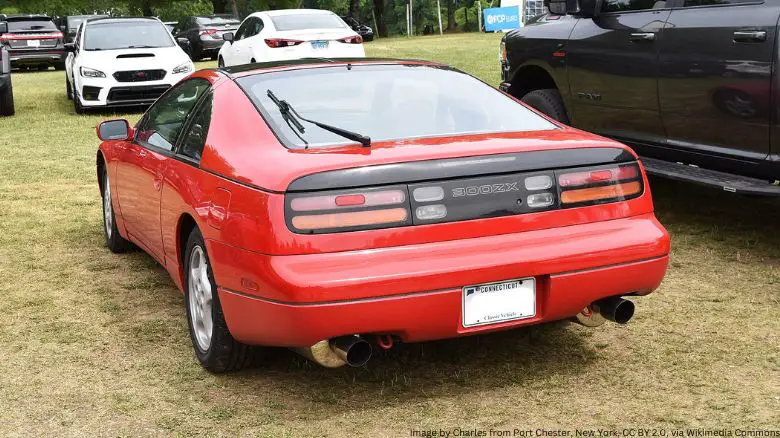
[
  {"x": 357, "y": 39},
  {"x": 340, "y": 212},
  {"x": 206, "y": 32},
  {"x": 37, "y": 36},
  {"x": 281, "y": 42},
  {"x": 599, "y": 185}
]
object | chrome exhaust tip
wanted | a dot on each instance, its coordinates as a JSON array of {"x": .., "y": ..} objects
[{"x": 345, "y": 350}]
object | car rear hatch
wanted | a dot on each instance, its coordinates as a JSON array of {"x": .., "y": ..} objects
[{"x": 31, "y": 33}]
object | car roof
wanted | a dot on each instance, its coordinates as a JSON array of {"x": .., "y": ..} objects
[
  {"x": 310, "y": 63},
  {"x": 36, "y": 17},
  {"x": 280, "y": 12},
  {"x": 113, "y": 20}
]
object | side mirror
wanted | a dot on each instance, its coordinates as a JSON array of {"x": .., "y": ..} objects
[
  {"x": 586, "y": 8},
  {"x": 228, "y": 36},
  {"x": 184, "y": 43},
  {"x": 558, "y": 7},
  {"x": 3, "y": 27},
  {"x": 112, "y": 130},
  {"x": 70, "y": 47}
]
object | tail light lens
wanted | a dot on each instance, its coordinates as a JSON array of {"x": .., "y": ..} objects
[
  {"x": 281, "y": 42},
  {"x": 348, "y": 211},
  {"x": 605, "y": 184},
  {"x": 452, "y": 200},
  {"x": 357, "y": 39},
  {"x": 206, "y": 32}
]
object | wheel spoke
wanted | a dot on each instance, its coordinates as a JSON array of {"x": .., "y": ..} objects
[{"x": 200, "y": 298}]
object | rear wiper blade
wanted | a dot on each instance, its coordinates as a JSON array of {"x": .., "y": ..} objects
[{"x": 292, "y": 116}]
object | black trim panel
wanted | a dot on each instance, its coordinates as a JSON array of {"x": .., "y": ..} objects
[{"x": 430, "y": 170}]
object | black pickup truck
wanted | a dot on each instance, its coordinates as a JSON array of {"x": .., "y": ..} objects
[
  {"x": 691, "y": 85},
  {"x": 6, "y": 89}
]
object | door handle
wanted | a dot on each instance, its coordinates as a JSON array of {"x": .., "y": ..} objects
[
  {"x": 642, "y": 36},
  {"x": 749, "y": 36}
]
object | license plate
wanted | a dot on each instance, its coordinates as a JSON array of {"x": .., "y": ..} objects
[
  {"x": 33, "y": 43},
  {"x": 319, "y": 45},
  {"x": 499, "y": 302}
]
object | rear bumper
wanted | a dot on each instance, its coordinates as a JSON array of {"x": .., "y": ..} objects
[
  {"x": 415, "y": 292},
  {"x": 47, "y": 56}
]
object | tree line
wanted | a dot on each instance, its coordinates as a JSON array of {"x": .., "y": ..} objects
[{"x": 387, "y": 17}]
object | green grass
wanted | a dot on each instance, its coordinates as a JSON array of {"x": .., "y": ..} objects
[{"x": 96, "y": 344}]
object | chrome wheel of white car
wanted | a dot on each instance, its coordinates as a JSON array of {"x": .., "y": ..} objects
[{"x": 200, "y": 297}]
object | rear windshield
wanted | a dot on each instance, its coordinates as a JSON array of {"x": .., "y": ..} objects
[
  {"x": 384, "y": 102},
  {"x": 30, "y": 25},
  {"x": 144, "y": 34},
  {"x": 307, "y": 21},
  {"x": 217, "y": 21}
]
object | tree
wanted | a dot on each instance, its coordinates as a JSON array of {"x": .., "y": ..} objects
[
  {"x": 354, "y": 8},
  {"x": 451, "y": 8},
  {"x": 220, "y": 6},
  {"x": 379, "y": 13}
]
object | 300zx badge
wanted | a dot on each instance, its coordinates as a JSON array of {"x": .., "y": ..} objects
[{"x": 486, "y": 189}]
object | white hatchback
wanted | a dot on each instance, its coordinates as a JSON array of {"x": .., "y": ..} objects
[{"x": 290, "y": 34}]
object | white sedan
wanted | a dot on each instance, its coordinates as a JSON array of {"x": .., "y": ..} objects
[{"x": 290, "y": 34}]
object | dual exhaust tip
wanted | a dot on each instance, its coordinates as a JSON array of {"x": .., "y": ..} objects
[{"x": 356, "y": 351}]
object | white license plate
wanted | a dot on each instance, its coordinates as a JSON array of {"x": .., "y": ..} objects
[
  {"x": 499, "y": 302},
  {"x": 319, "y": 45},
  {"x": 33, "y": 43}
]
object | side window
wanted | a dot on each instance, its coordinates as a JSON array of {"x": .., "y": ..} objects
[
  {"x": 164, "y": 120},
  {"x": 77, "y": 39},
  {"x": 243, "y": 29},
  {"x": 691, "y": 3},
  {"x": 258, "y": 26},
  {"x": 195, "y": 138},
  {"x": 631, "y": 5}
]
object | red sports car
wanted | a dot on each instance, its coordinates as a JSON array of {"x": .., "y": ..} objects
[{"x": 319, "y": 205}]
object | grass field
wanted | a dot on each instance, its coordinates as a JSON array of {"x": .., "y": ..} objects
[{"x": 96, "y": 344}]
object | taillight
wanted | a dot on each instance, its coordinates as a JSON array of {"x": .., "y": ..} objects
[
  {"x": 357, "y": 39},
  {"x": 206, "y": 32},
  {"x": 281, "y": 42},
  {"x": 348, "y": 211},
  {"x": 604, "y": 184}
]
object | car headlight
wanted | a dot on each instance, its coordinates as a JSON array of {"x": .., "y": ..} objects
[
  {"x": 91, "y": 73},
  {"x": 184, "y": 68}
]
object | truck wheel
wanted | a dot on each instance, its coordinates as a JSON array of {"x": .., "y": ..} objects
[
  {"x": 214, "y": 346},
  {"x": 7, "y": 101},
  {"x": 548, "y": 102}
]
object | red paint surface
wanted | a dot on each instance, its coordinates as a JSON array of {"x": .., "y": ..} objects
[{"x": 282, "y": 288}]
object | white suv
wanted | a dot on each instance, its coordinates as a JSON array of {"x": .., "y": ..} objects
[{"x": 122, "y": 62}]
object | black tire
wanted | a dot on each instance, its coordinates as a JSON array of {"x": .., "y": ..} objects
[
  {"x": 60, "y": 66},
  {"x": 214, "y": 57},
  {"x": 114, "y": 241},
  {"x": 43, "y": 67},
  {"x": 7, "y": 101},
  {"x": 196, "y": 54},
  {"x": 77, "y": 103},
  {"x": 220, "y": 62},
  {"x": 548, "y": 102},
  {"x": 223, "y": 353},
  {"x": 252, "y": 61},
  {"x": 68, "y": 89}
]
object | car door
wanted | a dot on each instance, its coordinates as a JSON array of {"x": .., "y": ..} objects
[
  {"x": 255, "y": 44},
  {"x": 716, "y": 76},
  {"x": 239, "y": 49},
  {"x": 612, "y": 64},
  {"x": 70, "y": 60},
  {"x": 141, "y": 168}
]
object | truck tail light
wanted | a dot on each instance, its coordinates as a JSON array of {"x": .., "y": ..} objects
[
  {"x": 275, "y": 43},
  {"x": 356, "y": 39},
  {"x": 600, "y": 185},
  {"x": 348, "y": 211}
]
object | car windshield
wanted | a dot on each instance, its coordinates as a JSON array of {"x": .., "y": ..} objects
[
  {"x": 386, "y": 102},
  {"x": 307, "y": 21},
  {"x": 126, "y": 35},
  {"x": 217, "y": 21},
  {"x": 75, "y": 22},
  {"x": 30, "y": 25}
]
